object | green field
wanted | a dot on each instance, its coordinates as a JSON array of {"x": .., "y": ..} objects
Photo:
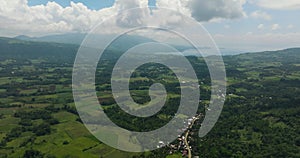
[{"x": 260, "y": 117}]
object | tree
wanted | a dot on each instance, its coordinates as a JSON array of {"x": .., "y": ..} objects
[
  {"x": 33, "y": 154},
  {"x": 42, "y": 129}
]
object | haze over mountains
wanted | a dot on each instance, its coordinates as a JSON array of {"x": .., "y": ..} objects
[
  {"x": 124, "y": 41},
  {"x": 75, "y": 38},
  {"x": 66, "y": 46}
]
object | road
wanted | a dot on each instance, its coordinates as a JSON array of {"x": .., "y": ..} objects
[{"x": 187, "y": 134}]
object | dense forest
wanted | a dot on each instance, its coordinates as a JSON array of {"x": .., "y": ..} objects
[{"x": 38, "y": 117}]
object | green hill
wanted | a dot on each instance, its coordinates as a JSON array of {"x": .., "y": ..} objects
[{"x": 38, "y": 117}]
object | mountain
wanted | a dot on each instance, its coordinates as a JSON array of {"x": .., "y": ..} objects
[
  {"x": 25, "y": 38},
  {"x": 15, "y": 48},
  {"x": 24, "y": 46},
  {"x": 123, "y": 43},
  {"x": 63, "y": 38},
  {"x": 77, "y": 38},
  {"x": 260, "y": 117},
  {"x": 44, "y": 47}
]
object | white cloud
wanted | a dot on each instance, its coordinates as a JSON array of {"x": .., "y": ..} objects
[
  {"x": 275, "y": 27},
  {"x": 178, "y": 5},
  {"x": 204, "y": 10},
  {"x": 249, "y": 33},
  {"x": 51, "y": 18},
  {"x": 278, "y": 4},
  {"x": 136, "y": 18},
  {"x": 258, "y": 14},
  {"x": 16, "y": 16},
  {"x": 290, "y": 26},
  {"x": 261, "y": 26},
  {"x": 227, "y": 26}
]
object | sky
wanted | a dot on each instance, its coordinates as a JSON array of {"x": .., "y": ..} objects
[{"x": 246, "y": 25}]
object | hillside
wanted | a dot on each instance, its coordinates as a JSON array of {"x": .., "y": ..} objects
[{"x": 38, "y": 117}]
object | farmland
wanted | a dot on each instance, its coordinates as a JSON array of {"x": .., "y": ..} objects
[{"x": 38, "y": 116}]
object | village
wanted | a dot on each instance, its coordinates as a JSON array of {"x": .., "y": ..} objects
[{"x": 182, "y": 144}]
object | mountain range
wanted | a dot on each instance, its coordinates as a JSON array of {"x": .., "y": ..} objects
[{"x": 123, "y": 42}]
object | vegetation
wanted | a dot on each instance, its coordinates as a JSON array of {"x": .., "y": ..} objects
[{"x": 38, "y": 117}]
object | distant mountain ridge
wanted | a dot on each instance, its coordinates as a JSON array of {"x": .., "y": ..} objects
[
  {"x": 75, "y": 38},
  {"x": 22, "y": 49},
  {"x": 126, "y": 40},
  {"x": 26, "y": 46},
  {"x": 64, "y": 38}
]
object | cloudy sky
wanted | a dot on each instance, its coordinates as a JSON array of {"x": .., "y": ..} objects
[{"x": 247, "y": 25}]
